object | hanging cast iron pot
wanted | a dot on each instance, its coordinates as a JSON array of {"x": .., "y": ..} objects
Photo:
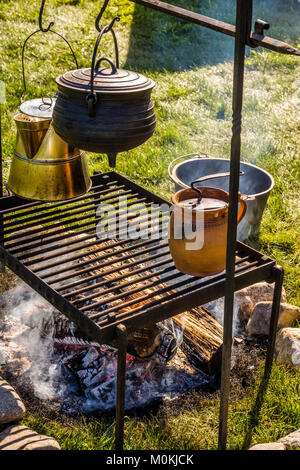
[{"x": 104, "y": 109}]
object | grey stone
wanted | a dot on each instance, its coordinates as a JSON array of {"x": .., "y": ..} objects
[
  {"x": 292, "y": 440},
  {"x": 247, "y": 298},
  {"x": 23, "y": 438},
  {"x": 287, "y": 346},
  {"x": 269, "y": 446},
  {"x": 259, "y": 321},
  {"x": 11, "y": 405}
]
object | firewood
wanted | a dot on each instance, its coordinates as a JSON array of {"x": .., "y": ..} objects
[{"x": 202, "y": 339}]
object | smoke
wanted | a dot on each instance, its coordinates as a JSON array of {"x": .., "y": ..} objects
[
  {"x": 28, "y": 353},
  {"x": 80, "y": 378}
]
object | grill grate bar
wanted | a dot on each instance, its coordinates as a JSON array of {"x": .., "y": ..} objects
[
  {"x": 132, "y": 281},
  {"x": 62, "y": 220},
  {"x": 127, "y": 284},
  {"x": 69, "y": 208},
  {"x": 98, "y": 258},
  {"x": 58, "y": 232},
  {"x": 109, "y": 271},
  {"x": 159, "y": 292},
  {"x": 91, "y": 252},
  {"x": 80, "y": 246},
  {"x": 61, "y": 215},
  {"x": 108, "y": 281},
  {"x": 33, "y": 207},
  {"x": 134, "y": 301},
  {"x": 19, "y": 247}
]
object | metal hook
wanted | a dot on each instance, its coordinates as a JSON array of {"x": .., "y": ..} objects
[
  {"x": 45, "y": 30},
  {"x": 109, "y": 27},
  {"x": 97, "y": 22}
]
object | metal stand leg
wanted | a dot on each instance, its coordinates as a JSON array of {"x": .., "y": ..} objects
[
  {"x": 243, "y": 17},
  {"x": 120, "y": 398},
  {"x": 279, "y": 273}
]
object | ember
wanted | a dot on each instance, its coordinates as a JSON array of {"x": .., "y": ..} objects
[{"x": 78, "y": 375}]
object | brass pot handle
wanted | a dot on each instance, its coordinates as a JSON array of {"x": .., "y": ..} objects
[{"x": 42, "y": 30}]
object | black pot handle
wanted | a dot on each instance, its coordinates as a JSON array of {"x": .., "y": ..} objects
[
  {"x": 91, "y": 97},
  {"x": 208, "y": 177}
]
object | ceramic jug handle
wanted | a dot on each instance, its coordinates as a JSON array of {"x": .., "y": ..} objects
[{"x": 243, "y": 207}]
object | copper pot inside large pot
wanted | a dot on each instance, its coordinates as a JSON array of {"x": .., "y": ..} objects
[
  {"x": 198, "y": 228},
  {"x": 104, "y": 109}
]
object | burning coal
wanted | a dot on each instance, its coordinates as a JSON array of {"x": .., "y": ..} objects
[{"x": 81, "y": 377}]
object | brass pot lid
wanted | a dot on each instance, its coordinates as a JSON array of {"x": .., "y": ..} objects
[
  {"x": 39, "y": 107},
  {"x": 106, "y": 80}
]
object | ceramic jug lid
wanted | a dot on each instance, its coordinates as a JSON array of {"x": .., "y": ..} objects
[
  {"x": 39, "y": 107},
  {"x": 106, "y": 81},
  {"x": 206, "y": 203}
]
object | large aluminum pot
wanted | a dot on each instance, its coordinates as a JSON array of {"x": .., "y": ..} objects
[{"x": 255, "y": 185}]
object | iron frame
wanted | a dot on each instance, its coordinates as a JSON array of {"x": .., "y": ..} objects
[
  {"x": 243, "y": 36},
  {"x": 250, "y": 267}
]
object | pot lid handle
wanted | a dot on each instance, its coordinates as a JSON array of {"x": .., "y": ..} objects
[{"x": 208, "y": 177}]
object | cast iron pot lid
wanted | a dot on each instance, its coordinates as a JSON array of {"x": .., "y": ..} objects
[{"x": 106, "y": 81}]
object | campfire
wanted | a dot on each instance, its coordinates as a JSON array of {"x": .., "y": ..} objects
[{"x": 40, "y": 348}]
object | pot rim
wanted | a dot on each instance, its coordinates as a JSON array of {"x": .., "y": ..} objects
[
  {"x": 176, "y": 180},
  {"x": 205, "y": 189},
  {"x": 115, "y": 91}
]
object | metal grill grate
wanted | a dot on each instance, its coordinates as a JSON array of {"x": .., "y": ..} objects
[{"x": 99, "y": 284}]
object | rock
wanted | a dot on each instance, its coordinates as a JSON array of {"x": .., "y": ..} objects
[
  {"x": 292, "y": 440},
  {"x": 259, "y": 321},
  {"x": 23, "y": 438},
  {"x": 247, "y": 298},
  {"x": 287, "y": 346},
  {"x": 269, "y": 446},
  {"x": 11, "y": 405},
  {"x": 245, "y": 307}
]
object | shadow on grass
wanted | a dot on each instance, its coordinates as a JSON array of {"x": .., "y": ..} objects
[
  {"x": 255, "y": 412},
  {"x": 159, "y": 42}
]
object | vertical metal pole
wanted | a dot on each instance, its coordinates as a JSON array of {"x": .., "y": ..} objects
[
  {"x": 1, "y": 164},
  {"x": 121, "y": 376},
  {"x": 2, "y": 266},
  {"x": 243, "y": 9},
  {"x": 274, "y": 320}
]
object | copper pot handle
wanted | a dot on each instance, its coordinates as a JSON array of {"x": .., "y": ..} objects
[{"x": 243, "y": 207}]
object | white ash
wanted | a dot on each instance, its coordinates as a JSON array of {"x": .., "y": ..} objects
[{"x": 30, "y": 355}]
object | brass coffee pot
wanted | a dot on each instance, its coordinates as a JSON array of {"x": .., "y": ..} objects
[{"x": 44, "y": 167}]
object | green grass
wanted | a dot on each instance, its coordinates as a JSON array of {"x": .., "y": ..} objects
[
  {"x": 260, "y": 416},
  {"x": 192, "y": 68}
]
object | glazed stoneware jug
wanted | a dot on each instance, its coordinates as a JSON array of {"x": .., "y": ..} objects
[{"x": 198, "y": 229}]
